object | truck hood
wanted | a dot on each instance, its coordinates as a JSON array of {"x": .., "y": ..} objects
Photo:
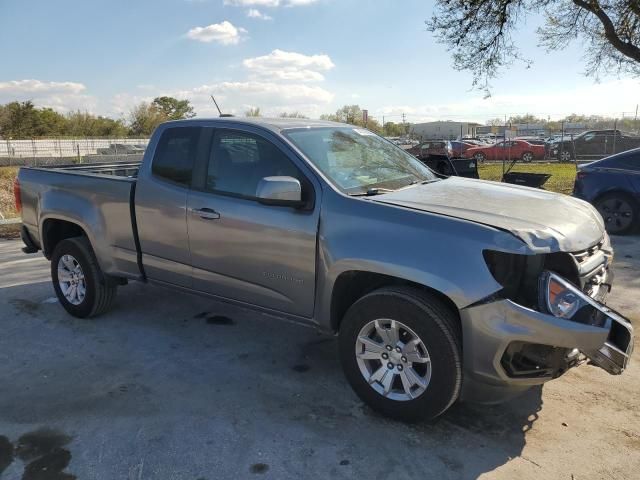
[{"x": 545, "y": 221}]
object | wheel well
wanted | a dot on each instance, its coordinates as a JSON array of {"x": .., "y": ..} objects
[
  {"x": 54, "y": 231},
  {"x": 353, "y": 285}
]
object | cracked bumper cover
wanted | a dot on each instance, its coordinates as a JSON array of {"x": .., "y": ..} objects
[{"x": 489, "y": 328}]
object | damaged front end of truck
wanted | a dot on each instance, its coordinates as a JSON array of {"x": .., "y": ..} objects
[{"x": 548, "y": 317}]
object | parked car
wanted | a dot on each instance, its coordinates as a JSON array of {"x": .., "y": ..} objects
[
  {"x": 510, "y": 149},
  {"x": 459, "y": 167},
  {"x": 612, "y": 185},
  {"x": 593, "y": 144},
  {"x": 429, "y": 149},
  {"x": 458, "y": 147},
  {"x": 438, "y": 289},
  {"x": 440, "y": 156}
]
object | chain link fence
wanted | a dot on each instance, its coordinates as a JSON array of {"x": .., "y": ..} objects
[{"x": 59, "y": 151}]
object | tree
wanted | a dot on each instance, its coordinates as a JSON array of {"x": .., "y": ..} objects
[
  {"x": 495, "y": 122},
  {"x": 253, "y": 112},
  {"x": 84, "y": 124},
  {"x": 479, "y": 33},
  {"x": 144, "y": 119},
  {"x": 292, "y": 115},
  {"x": 174, "y": 109},
  {"x": 392, "y": 129},
  {"x": 352, "y": 114}
]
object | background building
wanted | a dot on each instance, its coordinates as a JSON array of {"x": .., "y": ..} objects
[{"x": 443, "y": 130}]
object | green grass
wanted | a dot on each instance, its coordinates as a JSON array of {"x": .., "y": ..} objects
[{"x": 562, "y": 174}]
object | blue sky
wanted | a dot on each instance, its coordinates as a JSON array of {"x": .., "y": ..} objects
[{"x": 281, "y": 55}]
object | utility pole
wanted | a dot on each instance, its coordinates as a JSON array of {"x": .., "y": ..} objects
[{"x": 404, "y": 124}]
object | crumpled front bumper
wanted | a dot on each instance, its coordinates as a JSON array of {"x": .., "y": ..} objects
[{"x": 489, "y": 328}]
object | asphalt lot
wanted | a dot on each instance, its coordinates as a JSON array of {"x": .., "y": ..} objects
[{"x": 172, "y": 386}]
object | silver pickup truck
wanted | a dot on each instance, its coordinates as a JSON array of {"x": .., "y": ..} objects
[{"x": 438, "y": 289}]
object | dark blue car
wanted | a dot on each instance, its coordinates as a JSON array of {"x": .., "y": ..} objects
[{"x": 612, "y": 185}]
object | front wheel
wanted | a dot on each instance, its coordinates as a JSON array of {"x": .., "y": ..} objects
[
  {"x": 400, "y": 351},
  {"x": 78, "y": 281}
]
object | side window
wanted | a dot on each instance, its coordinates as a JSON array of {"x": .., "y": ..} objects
[
  {"x": 175, "y": 155},
  {"x": 239, "y": 160}
]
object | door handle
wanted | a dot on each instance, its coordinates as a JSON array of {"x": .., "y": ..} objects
[{"x": 206, "y": 213}]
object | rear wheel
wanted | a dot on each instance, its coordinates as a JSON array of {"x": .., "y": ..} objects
[
  {"x": 565, "y": 156},
  {"x": 400, "y": 350},
  {"x": 527, "y": 157},
  {"x": 618, "y": 211},
  {"x": 480, "y": 157},
  {"x": 78, "y": 281}
]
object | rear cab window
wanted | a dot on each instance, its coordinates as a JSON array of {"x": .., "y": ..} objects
[{"x": 175, "y": 155}]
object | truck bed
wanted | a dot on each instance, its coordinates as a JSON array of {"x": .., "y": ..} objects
[
  {"x": 115, "y": 169},
  {"x": 98, "y": 197}
]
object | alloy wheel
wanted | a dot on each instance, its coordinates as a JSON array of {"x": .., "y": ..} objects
[
  {"x": 393, "y": 359},
  {"x": 71, "y": 279},
  {"x": 617, "y": 214}
]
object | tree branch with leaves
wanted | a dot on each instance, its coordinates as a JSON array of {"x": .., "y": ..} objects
[{"x": 480, "y": 33}]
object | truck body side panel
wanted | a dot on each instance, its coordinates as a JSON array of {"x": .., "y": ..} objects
[{"x": 97, "y": 204}]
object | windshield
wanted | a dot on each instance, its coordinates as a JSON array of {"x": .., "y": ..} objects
[{"x": 359, "y": 161}]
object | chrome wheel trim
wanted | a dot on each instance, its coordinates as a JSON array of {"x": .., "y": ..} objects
[
  {"x": 527, "y": 157},
  {"x": 393, "y": 359},
  {"x": 71, "y": 279},
  {"x": 565, "y": 156},
  {"x": 617, "y": 214},
  {"x": 479, "y": 157}
]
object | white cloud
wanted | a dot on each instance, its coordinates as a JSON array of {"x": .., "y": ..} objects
[
  {"x": 224, "y": 33},
  {"x": 255, "y": 13},
  {"x": 289, "y": 66},
  {"x": 271, "y": 97},
  {"x": 61, "y": 96},
  {"x": 268, "y": 3},
  {"x": 37, "y": 86}
]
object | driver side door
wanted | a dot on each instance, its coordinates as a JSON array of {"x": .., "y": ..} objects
[{"x": 244, "y": 250}]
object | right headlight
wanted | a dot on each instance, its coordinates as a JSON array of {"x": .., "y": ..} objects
[
  {"x": 560, "y": 297},
  {"x": 564, "y": 300}
]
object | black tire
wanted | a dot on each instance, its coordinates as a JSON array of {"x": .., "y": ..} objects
[
  {"x": 480, "y": 157},
  {"x": 100, "y": 291},
  {"x": 619, "y": 212},
  {"x": 527, "y": 157},
  {"x": 565, "y": 156},
  {"x": 438, "y": 328}
]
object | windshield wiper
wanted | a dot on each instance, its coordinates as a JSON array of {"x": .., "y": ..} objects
[{"x": 371, "y": 192}]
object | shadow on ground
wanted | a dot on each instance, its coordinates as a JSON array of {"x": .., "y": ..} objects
[{"x": 170, "y": 385}]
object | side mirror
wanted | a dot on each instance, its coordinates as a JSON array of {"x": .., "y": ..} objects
[{"x": 280, "y": 191}]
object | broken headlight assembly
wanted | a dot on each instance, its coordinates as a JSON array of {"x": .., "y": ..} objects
[{"x": 560, "y": 298}]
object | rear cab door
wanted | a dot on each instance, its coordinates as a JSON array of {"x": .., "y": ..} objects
[
  {"x": 244, "y": 250},
  {"x": 161, "y": 203}
]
